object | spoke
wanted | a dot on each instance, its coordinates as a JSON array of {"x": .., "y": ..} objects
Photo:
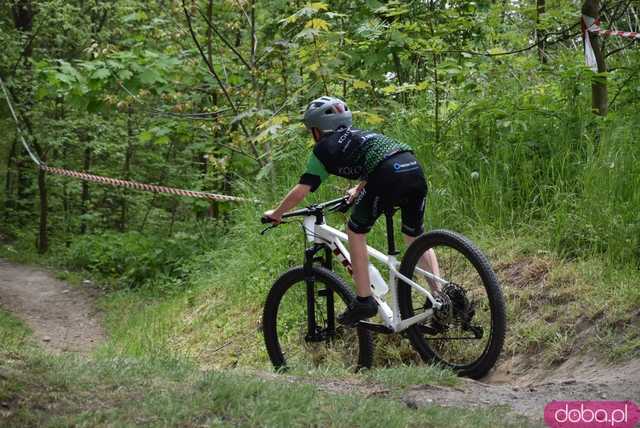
[{"x": 454, "y": 345}]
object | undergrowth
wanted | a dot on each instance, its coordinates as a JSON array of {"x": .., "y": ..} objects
[{"x": 43, "y": 390}]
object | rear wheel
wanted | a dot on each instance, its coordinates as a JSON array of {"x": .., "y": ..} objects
[
  {"x": 300, "y": 329},
  {"x": 468, "y": 333}
]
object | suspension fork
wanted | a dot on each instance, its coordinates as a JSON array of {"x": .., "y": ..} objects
[
  {"x": 313, "y": 332},
  {"x": 328, "y": 293}
]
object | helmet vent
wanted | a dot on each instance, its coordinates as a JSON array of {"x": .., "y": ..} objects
[{"x": 328, "y": 111}]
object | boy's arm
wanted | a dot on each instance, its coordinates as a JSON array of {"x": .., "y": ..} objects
[
  {"x": 293, "y": 198},
  {"x": 309, "y": 182}
]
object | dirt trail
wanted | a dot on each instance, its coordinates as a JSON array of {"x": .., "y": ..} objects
[
  {"x": 63, "y": 318},
  {"x": 580, "y": 378}
]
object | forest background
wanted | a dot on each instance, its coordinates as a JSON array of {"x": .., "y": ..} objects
[{"x": 527, "y": 151}]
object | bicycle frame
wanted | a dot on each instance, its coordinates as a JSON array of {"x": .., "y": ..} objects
[{"x": 324, "y": 235}]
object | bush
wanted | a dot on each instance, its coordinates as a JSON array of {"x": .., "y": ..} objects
[{"x": 134, "y": 259}]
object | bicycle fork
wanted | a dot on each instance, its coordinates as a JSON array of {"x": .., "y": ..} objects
[{"x": 314, "y": 332}]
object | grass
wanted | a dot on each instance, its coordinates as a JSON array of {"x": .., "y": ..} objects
[
  {"x": 49, "y": 391},
  {"x": 405, "y": 376},
  {"x": 556, "y": 307}
]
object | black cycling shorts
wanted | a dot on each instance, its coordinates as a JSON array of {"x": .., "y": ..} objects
[{"x": 396, "y": 182}]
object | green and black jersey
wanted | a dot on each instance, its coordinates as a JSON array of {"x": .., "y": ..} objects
[{"x": 349, "y": 153}]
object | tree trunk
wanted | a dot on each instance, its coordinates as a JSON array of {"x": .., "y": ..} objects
[
  {"x": 84, "y": 199},
  {"x": 599, "y": 91},
  {"x": 210, "y": 32},
  {"x": 43, "y": 237},
  {"x": 540, "y": 34},
  {"x": 399, "y": 74},
  {"x": 66, "y": 204},
  {"x": 436, "y": 85},
  {"x": 9, "y": 203},
  {"x": 122, "y": 224},
  {"x": 22, "y": 12}
]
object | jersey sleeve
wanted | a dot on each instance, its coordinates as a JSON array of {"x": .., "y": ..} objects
[{"x": 315, "y": 173}]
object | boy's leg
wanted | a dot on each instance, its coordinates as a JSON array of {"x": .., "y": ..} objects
[
  {"x": 362, "y": 218},
  {"x": 429, "y": 262},
  {"x": 359, "y": 262},
  {"x": 412, "y": 209}
]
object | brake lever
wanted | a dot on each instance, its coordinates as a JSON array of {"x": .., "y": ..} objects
[
  {"x": 268, "y": 228},
  {"x": 272, "y": 226}
]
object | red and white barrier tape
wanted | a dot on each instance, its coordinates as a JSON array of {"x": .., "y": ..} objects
[
  {"x": 592, "y": 25},
  {"x": 142, "y": 186}
]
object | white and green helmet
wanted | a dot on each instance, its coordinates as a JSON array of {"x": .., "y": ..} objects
[{"x": 327, "y": 114}]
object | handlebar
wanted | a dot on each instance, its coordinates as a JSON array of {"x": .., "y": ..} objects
[
  {"x": 318, "y": 208},
  {"x": 339, "y": 204}
]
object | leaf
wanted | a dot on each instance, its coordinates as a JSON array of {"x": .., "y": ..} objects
[
  {"x": 264, "y": 171},
  {"x": 42, "y": 92},
  {"x": 163, "y": 140},
  {"x": 370, "y": 118},
  {"x": 62, "y": 77},
  {"x": 422, "y": 85},
  {"x": 149, "y": 76},
  {"x": 360, "y": 84},
  {"x": 125, "y": 74},
  {"x": 307, "y": 33},
  {"x": 318, "y": 24},
  {"x": 101, "y": 74},
  {"x": 161, "y": 130},
  {"x": 135, "y": 17},
  {"x": 145, "y": 136},
  {"x": 318, "y": 6}
]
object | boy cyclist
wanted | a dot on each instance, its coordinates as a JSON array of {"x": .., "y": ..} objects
[{"x": 389, "y": 175}]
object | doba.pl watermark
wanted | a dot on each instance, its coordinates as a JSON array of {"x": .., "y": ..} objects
[{"x": 591, "y": 414}]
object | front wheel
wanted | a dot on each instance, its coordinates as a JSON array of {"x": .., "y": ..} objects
[
  {"x": 467, "y": 334},
  {"x": 299, "y": 323}
]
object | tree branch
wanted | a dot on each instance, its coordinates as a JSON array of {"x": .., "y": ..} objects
[
  {"x": 517, "y": 51},
  {"x": 619, "y": 49},
  {"x": 224, "y": 40},
  {"x": 212, "y": 71},
  {"x": 628, "y": 79}
]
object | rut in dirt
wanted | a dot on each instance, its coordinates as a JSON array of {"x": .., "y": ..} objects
[
  {"x": 522, "y": 392},
  {"x": 63, "y": 318}
]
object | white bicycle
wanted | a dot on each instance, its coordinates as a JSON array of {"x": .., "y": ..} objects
[{"x": 461, "y": 327}]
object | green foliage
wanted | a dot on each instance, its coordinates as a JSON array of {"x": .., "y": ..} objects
[
  {"x": 123, "y": 91},
  {"x": 135, "y": 259}
]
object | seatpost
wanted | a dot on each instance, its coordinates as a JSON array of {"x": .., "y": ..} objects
[{"x": 391, "y": 242}]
